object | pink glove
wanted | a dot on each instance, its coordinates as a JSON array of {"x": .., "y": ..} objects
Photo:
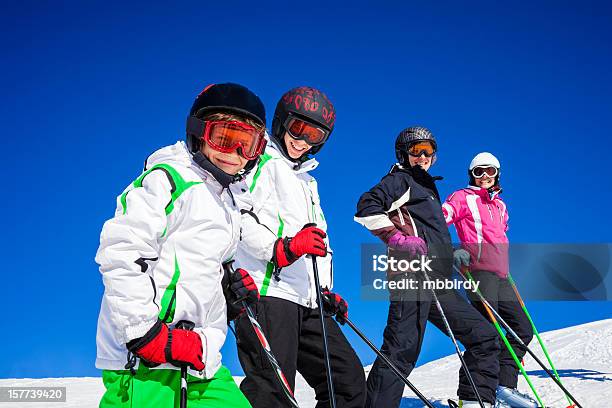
[{"x": 415, "y": 246}]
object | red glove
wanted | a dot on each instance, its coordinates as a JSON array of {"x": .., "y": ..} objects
[
  {"x": 178, "y": 347},
  {"x": 309, "y": 240},
  {"x": 335, "y": 305}
]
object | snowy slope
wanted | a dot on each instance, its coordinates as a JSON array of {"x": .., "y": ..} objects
[{"x": 582, "y": 355}]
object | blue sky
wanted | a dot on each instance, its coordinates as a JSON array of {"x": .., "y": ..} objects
[{"x": 91, "y": 88}]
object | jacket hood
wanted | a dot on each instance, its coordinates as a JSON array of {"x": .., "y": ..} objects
[{"x": 174, "y": 154}]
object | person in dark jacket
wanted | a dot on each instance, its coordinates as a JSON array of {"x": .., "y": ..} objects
[{"x": 405, "y": 212}]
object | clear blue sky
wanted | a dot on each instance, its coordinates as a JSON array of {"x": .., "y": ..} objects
[{"x": 91, "y": 88}]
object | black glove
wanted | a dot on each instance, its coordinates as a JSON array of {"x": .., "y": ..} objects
[
  {"x": 335, "y": 305},
  {"x": 238, "y": 286}
]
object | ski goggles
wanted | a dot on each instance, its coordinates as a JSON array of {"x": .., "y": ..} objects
[
  {"x": 301, "y": 130},
  {"x": 480, "y": 171},
  {"x": 227, "y": 136},
  {"x": 417, "y": 149}
]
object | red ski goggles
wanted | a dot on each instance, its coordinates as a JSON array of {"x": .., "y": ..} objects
[
  {"x": 480, "y": 171},
  {"x": 417, "y": 149},
  {"x": 227, "y": 136},
  {"x": 302, "y": 130}
]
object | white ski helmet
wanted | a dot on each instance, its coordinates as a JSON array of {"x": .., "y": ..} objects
[{"x": 485, "y": 159}]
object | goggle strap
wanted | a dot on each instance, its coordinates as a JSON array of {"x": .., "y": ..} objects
[{"x": 195, "y": 126}]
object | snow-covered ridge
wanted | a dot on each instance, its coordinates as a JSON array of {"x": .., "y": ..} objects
[{"x": 582, "y": 355}]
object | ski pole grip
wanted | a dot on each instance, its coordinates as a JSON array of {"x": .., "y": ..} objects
[{"x": 310, "y": 224}]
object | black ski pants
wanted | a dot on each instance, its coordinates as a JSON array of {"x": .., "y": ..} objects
[
  {"x": 403, "y": 337},
  {"x": 294, "y": 334},
  {"x": 500, "y": 295}
]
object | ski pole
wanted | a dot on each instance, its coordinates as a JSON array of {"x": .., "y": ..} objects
[
  {"x": 452, "y": 336},
  {"x": 531, "y": 353},
  {"x": 388, "y": 362},
  {"x": 330, "y": 384},
  {"x": 492, "y": 317},
  {"x": 184, "y": 325},
  {"x": 266, "y": 346},
  {"x": 537, "y": 334}
]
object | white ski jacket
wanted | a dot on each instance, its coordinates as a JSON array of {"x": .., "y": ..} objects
[
  {"x": 161, "y": 257},
  {"x": 277, "y": 201}
]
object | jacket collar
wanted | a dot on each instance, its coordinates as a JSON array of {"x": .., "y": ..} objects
[
  {"x": 488, "y": 194},
  {"x": 420, "y": 176},
  {"x": 219, "y": 175},
  {"x": 412, "y": 171},
  {"x": 273, "y": 150}
]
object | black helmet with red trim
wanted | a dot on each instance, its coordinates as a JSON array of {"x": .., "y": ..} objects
[
  {"x": 222, "y": 98},
  {"x": 228, "y": 97},
  {"x": 308, "y": 104}
]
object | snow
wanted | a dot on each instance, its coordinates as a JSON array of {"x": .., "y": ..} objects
[{"x": 582, "y": 355}]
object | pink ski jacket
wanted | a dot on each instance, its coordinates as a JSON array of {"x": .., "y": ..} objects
[{"x": 481, "y": 220}]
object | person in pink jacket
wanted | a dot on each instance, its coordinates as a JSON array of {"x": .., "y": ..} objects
[{"x": 481, "y": 219}]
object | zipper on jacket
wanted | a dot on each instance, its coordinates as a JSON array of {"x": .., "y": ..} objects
[
  {"x": 401, "y": 216},
  {"x": 312, "y": 217},
  {"x": 490, "y": 213},
  {"x": 414, "y": 228}
]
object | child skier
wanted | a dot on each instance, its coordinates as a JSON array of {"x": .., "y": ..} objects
[
  {"x": 279, "y": 206},
  {"x": 404, "y": 211},
  {"x": 161, "y": 260},
  {"x": 481, "y": 219}
]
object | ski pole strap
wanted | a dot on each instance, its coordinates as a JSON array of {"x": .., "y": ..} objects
[{"x": 184, "y": 325}]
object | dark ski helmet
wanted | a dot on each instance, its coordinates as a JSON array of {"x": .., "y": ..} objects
[
  {"x": 230, "y": 98},
  {"x": 308, "y": 104},
  {"x": 408, "y": 137}
]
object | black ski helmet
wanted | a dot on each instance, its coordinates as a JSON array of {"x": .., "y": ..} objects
[
  {"x": 408, "y": 137},
  {"x": 306, "y": 103},
  {"x": 228, "y": 97}
]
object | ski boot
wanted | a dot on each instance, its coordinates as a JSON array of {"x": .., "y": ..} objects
[{"x": 512, "y": 398}]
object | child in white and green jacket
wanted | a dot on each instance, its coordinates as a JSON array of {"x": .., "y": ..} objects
[{"x": 161, "y": 259}]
